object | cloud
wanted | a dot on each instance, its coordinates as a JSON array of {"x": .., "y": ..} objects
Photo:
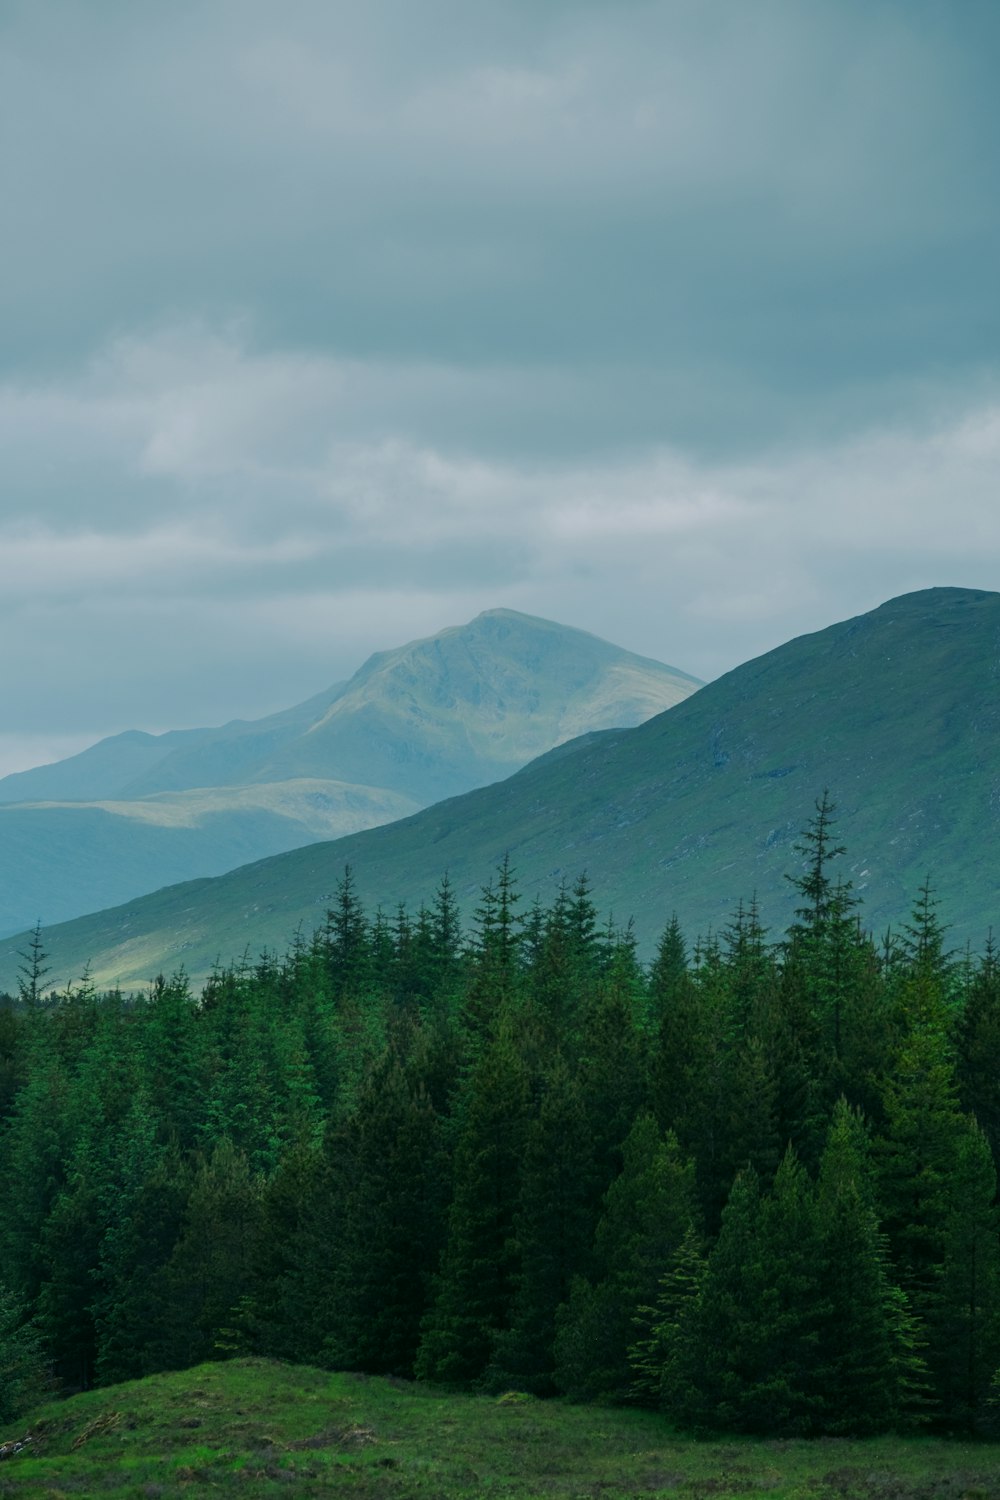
[
  {"x": 252, "y": 524},
  {"x": 753, "y": 201},
  {"x": 329, "y": 325}
]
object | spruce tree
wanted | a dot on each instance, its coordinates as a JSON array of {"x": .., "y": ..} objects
[
  {"x": 977, "y": 1047},
  {"x": 494, "y": 975},
  {"x": 23, "y": 1372},
  {"x": 761, "y": 1308},
  {"x": 389, "y": 1185},
  {"x": 964, "y": 1315},
  {"x": 648, "y": 1210},
  {"x": 872, "y": 1373},
  {"x": 665, "y": 1357},
  {"x": 474, "y": 1290},
  {"x": 208, "y": 1278}
]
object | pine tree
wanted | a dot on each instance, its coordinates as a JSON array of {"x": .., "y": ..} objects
[
  {"x": 12, "y": 1034},
  {"x": 285, "y": 1312},
  {"x": 665, "y": 1357},
  {"x": 761, "y": 1308},
  {"x": 977, "y": 1047},
  {"x": 32, "y": 970},
  {"x": 494, "y": 977},
  {"x": 964, "y": 1315},
  {"x": 34, "y": 1149},
  {"x": 917, "y": 1154},
  {"x": 872, "y": 1370},
  {"x": 389, "y": 1185},
  {"x": 23, "y": 1373},
  {"x": 141, "y": 1200},
  {"x": 174, "y": 1074},
  {"x": 687, "y": 1083},
  {"x": 208, "y": 1278},
  {"x": 553, "y": 1229},
  {"x": 473, "y": 1293},
  {"x": 648, "y": 1210},
  {"x": 347, "y": 941}
]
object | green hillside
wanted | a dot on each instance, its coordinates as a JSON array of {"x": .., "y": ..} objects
[
  {"x": 439, "y": 716},
  {"x": 897, "y": 712},
  {"x": 55, "y": 853},
  {"x": 259, "y": 1428}
]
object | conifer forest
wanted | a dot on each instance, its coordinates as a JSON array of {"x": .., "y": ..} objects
[{"x": 752, "y": 1185}]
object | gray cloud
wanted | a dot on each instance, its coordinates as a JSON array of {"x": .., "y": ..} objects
[
  {"x": 266, "y": 528},
  {"x": 326, "y": 325}
]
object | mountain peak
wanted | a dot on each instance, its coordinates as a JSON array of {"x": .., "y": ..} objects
[
  {"x": 426, "y": 721},
  {"x": 688, "y": 813}
]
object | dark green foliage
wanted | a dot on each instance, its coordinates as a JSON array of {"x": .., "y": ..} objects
[
  {"x": 495, "y": 975},
  {"x": 748, "y": 1188},
  {"x": 665, "y": 1358},
  {"x": 964, "y": 1318},
  {"x": 10, "y": 1060},
  {"x": 648, "y": 1211},
  {"x": 761, "y": 1307},
  {"x": 32, "y": 970},
  {"x": 553, "y": 1228},
  {"x": 977, "y": 1047},
  {"x": 209, "y": 1273},
  {"x": 22, "y": 1366},
  {"x": 873, "y": 1375},
  {"x": 389, "y": 1191},
  {"x": 475, "y": 1289}
]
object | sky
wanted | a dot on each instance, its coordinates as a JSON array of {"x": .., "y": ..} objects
[{"x": 329, "y": 323}]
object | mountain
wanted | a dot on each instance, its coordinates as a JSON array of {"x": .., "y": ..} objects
[
  {"x": 125, "y": 765},
  {"x": 896, "y": 712},
  {"x": 425, "y": 721}
]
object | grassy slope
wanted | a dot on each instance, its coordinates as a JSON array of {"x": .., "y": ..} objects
[
  {"x": 258, "y": 1429},
  {"x": 897, "y": 713}
]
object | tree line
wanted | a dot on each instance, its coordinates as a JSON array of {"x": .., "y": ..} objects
[{"x": 753, "y": 1184}]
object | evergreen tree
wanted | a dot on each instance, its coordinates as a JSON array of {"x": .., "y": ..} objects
[
  {"x": 285, "y": 1312},
  {"x": 872, "y": 1370},
  {"x": 648, "y": 1211},
  {"x": 23, "y": 1374},
  {"x": 35, "y": 1146},
  {"x": 494, "y": 978},
  {"x": 474, "y": 1291},
  {"x": 761, "y": 1308},
  {"x": 11, "y": 1060},
  {"x": 347, "y": 941},
  {"x": 917, "y": 1154},
  {"x": 977, "y": 1047},
  {"x": 174, "y": 1076},
  {"x": 208, "y": 1278},
  {"x": 687, "y": 1082},
  {"x": 665, "y": 1358},
  {"x": 964, "y": 1315},
  {"x": 388, "y": 1172},
  {"x": 32, "y": 970},
  {"x": 553, "y": 1229},
  {"x": 141, "y": 1200}
]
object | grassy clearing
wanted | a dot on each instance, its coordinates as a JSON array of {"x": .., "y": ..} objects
[{"x": 257, "y": 1428}]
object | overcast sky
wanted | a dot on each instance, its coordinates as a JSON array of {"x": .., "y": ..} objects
[{"x": 325, "y": 325}]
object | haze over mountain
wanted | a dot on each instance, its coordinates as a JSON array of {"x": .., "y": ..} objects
[
  {"x": 428, "y": 720},
  {"x": 896, "y": 712}
]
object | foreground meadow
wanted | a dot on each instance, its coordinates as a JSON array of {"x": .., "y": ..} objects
[{"x": 258, "y": 1428}]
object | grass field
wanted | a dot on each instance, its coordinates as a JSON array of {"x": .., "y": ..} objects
[{"x": 256, "y": 1428}]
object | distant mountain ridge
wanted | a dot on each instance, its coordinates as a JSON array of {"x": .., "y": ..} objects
[
  {"x": 424, "y": 721},
  {"x": 895, "y": 712}
]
